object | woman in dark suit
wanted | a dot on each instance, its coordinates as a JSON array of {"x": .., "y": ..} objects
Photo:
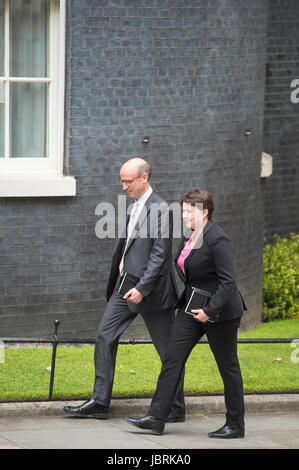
[{"x": 205, "y": 261}]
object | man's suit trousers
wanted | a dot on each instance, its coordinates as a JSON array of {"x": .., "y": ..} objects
[{"x": 117, "y": 317}]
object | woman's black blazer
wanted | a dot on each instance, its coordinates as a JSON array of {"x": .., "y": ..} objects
[{"x": 211, "y": 267}]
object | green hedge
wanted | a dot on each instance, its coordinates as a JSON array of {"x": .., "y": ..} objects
[{"x": 280, "y": 279}]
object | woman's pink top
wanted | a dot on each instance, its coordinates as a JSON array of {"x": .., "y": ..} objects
[{"x": 184, "y": 253}]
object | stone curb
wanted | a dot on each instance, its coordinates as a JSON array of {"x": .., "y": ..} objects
[{"x": 139, "y": 406}]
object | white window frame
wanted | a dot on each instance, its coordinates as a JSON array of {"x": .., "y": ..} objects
[{"x": 40, "y": 176}]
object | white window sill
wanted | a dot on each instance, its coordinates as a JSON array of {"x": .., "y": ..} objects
[{"x": 36, "y": 185}]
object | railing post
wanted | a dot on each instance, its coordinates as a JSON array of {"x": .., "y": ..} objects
[{"x": 55, "y": 342}]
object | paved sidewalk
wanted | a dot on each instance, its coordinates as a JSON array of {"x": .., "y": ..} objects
[
  {"x": 272, "y": 422},
  {"x": 263, "y": 431}
]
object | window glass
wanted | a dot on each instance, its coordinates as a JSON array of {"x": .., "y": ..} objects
[
  {"x": 1, "y": 37},
  {"x": 29, "y": 32},
  {"x": 28, "y": 123}
]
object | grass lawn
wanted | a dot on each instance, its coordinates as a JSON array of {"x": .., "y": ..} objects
[{"x": 24, "y": 375}]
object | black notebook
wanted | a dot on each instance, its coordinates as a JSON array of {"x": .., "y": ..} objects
[
  {"x": 128, "y": 282},
  {"x": 198, "y": 300}
]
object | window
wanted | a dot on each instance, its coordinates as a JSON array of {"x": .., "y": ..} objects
[{"x": 32, "y": 42}]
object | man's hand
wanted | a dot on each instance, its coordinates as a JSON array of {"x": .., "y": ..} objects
[
  {"x": 200, "y": 315},
  {"x": 134, "y": 296}
]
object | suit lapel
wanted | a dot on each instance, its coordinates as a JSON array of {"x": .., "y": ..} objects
[
  {"x": 178, "y": 269},
  {"x": 181, "y": 246},
  {"x": 207, "y": 227},
  {"x": 121, "y": 240}
]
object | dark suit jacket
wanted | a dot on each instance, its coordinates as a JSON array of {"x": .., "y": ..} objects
[
  {"x": 211, "y": 267},
  {"x": 149, "y": 257}
]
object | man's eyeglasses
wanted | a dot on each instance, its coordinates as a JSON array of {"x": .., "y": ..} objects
[{"x": 128, "y": 181}]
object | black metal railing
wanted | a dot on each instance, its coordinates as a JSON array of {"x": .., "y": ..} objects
[{"x": 55, "y": 341}]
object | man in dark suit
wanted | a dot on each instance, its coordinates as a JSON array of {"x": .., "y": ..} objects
[{"x": 145, "y": 252}]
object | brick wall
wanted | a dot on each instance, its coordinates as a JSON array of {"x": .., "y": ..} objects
[
  {"x": 281, "y": 135},
  {"x": 190, "y": 75}
]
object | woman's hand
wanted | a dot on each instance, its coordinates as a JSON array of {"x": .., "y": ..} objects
[
  {"x": 200, "y": 315},
  {"x": 134, "y": 296}
]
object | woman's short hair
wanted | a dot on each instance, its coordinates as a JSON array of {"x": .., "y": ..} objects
[{"x": 199, "y": 196}]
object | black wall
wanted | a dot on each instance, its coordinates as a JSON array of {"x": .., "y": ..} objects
[
  {"x": 281, "y": 127},
  {"x": 188, "y": 74}
]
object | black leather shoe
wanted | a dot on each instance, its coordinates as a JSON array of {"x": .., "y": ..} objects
[
  {"x": 175, "y": 418},
  {"x": 89, "y": 409},
  {"x": 147, "y": 422},
  {"x": 226, "y": 432}
]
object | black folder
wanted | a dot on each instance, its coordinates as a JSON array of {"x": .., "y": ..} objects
[
  {"x": 198, "y": 300},
  {"x": 128, "y": 282}
]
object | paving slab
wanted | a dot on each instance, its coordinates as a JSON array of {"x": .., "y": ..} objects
[
  {"x": 272, "y": 422},
  {"x": 279, "y": 430}
]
